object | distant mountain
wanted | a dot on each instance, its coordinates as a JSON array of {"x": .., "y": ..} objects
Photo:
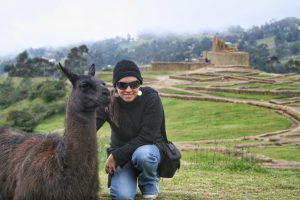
[{"x": 275, "y": 38}]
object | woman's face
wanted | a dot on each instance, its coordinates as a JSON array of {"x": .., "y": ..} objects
[{"x": 128, "y": 88}]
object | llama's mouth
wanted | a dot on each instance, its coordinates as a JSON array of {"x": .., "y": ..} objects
[{"x": 105, "y": 100}]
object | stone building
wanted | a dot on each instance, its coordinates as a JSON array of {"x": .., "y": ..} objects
[{"x": 226, "y": 54}]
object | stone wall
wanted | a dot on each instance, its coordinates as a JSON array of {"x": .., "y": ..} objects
[
  {"x": 227, "y": 58},
  {"x": 156, "y": 66}
]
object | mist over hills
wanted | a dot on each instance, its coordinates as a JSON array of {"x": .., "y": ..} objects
[{"x": 280, "y": 39}]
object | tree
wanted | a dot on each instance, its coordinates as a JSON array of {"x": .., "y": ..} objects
[
  {"x": 22, "y": 57},
  {"x": 77, "y": 59},
  {"x": 30, "y": 67}
]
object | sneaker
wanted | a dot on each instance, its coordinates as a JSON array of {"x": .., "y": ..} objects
[{"x": 150, "y": 196}]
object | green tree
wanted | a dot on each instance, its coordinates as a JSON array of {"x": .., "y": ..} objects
[
  {"x": 30, "y": 67},
  {"x": 77, "y": 59}
]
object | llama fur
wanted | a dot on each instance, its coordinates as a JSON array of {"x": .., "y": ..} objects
[{"x": 51, "y": 167}]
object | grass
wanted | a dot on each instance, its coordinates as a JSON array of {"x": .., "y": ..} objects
[
  {"x": 22, "y": 105},
  {"x": 105, "y": 76},
  {"x": 227, "y": 144},
  {"x": 28, "y": 105},
  {"x": 202, "y": 120},
  {"x": 263, "y": 76},
  {"x": 17, "y": 80},
  {"x": 257, "y": 86},
  {"x": 154, "y": 74},
  {"x": 289, "y": 78},
  {"x": 246, "y": 85},
  {"x": 286, "y": 86},
  {"x": 296, "y": 104},
  {"x": 206, "y": 175},
  {"x": 248, "y": 96},
  {"x": 291, "y": 153},
  {"x": 202, "y": 84},
  {"x": 173, "y": 91},
  {"x": 53, "y": 123},
  {"x": 226, "y": 94}
]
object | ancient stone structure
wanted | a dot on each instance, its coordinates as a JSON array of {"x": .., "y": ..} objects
[
  {"x": 220, "y": 46},
  {"x": 225, "y": 54}
]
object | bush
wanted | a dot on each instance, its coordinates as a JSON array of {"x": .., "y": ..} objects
[
  {"x": 49, "y": 90},
  {"x": 22, "y": 120},
  {"x": 10, "y": 94},
  {"x": 42, "y": 112}
]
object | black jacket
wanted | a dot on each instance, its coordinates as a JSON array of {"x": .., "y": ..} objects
[{"x": 140, "y": 123}]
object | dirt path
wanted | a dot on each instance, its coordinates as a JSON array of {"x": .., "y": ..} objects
[{"x": 284, "y": 137}]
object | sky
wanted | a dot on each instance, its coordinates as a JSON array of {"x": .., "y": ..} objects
[{"x": 54, "y": 23}]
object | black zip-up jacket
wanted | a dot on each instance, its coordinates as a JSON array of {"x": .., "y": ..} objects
[{"x": 140, "y": 123}]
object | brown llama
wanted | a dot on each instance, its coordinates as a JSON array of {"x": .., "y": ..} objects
[{"x": 50, "y": 167}]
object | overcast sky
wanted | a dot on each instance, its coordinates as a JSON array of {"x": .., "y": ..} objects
[{"x": 39, "y": 23}]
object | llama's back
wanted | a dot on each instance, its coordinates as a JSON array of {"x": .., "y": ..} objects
[
  {"x": 33, "y": 166},
  {"x": 24, "y": 160}
]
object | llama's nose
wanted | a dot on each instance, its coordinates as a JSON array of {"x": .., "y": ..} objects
[{"x": 105, "y": 92}]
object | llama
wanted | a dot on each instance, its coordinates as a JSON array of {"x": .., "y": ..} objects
[{"x": 50, "y": 167}]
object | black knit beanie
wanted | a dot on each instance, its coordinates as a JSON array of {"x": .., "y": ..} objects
[{"x": 126, "y": 68}]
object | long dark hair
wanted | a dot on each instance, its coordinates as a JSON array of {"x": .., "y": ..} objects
[{"x": 114, "y": 108}]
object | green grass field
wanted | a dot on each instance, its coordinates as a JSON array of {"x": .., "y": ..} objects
[
  {"x": 206, "y": 175},
  {"x": 214, "y": 176},
  {"x": 291, "y": 153},
  {"x": 202, "y": 120}
]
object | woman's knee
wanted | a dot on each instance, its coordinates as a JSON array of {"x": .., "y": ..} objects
[
  {"x": 122, "y": 193},
  {"x": 146, "y": 157}
]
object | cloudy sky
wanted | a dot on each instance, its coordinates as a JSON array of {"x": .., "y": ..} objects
[{"x": 39, "y": 23}]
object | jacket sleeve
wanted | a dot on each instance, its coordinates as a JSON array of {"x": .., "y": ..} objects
[
  {"x": 149, "y": 132},
  {"x": 101, "y": 117}
]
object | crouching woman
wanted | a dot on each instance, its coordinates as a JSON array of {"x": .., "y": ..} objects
[{"x": 135, "y": 116}]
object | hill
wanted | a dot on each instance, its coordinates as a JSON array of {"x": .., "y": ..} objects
[{"x": 271, "y": 47}]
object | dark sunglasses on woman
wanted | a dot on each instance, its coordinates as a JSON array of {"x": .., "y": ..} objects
[{"x": 133, "y": 85}]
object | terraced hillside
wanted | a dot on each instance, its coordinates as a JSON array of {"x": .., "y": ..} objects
[{"x": 240, "y": 85}]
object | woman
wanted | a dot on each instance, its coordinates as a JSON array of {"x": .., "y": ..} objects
[{"x": 135, "y": 116}]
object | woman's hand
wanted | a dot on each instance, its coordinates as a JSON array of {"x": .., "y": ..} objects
[{"x": 110, "y": 165}]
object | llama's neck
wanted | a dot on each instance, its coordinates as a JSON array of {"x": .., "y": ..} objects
[{"x": 80, "y": 136}]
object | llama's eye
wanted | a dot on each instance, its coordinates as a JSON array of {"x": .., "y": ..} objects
[{"x": 85, "y": 86}]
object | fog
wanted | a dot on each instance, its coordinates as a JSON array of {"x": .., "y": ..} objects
[{"x": 52, "y": 23}]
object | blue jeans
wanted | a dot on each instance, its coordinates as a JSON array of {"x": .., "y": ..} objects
[{"x": 142, "y": 168}]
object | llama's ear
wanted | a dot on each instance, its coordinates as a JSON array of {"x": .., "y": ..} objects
[
  {"x": 92, "y": 70},
  {"x": 71, "y": 76}
]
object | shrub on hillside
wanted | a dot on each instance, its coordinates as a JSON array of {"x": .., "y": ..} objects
[
  {"x": 9, "y": 94},
  {"x": 44, "y": 111},
  {"x": 49, "y": 90},
  {"x": 22, "y": 120}
]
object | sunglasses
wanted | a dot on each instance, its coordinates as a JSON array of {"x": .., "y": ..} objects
[{"x": 132, "y": 85}]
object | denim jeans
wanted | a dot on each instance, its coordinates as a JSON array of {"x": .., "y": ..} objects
[{"x": 141, "y": 169}]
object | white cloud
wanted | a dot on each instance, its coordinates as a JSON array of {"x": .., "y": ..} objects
[{"x": 35, "y": 23}]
